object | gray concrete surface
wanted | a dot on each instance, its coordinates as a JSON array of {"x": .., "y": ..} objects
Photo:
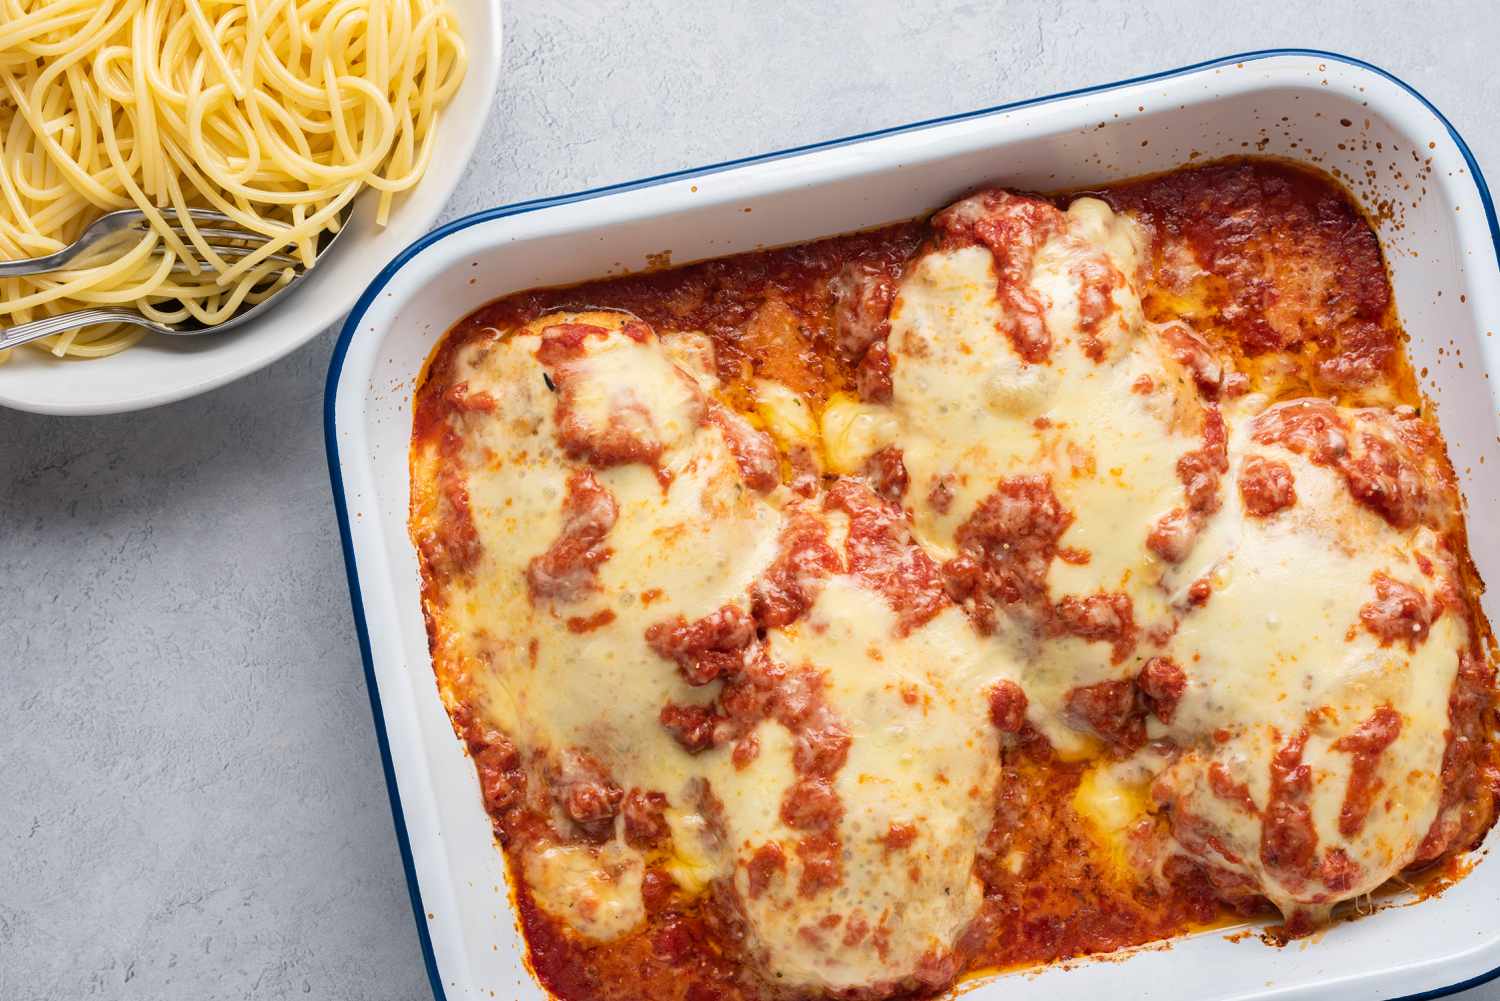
[{"x": 191, "y": 804}]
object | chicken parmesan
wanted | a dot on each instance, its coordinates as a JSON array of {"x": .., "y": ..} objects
[{"x": 1047, "y": 576}]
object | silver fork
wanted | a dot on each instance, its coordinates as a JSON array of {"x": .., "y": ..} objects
[{"x": 222, "y": 233}]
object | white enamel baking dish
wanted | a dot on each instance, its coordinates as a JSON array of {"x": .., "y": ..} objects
[{"x": 1441, "y": 239}]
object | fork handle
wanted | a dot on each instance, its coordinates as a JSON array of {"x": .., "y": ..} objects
[
  {"x": 25, "y": 332},
  {"x": 38, "y": 265}
]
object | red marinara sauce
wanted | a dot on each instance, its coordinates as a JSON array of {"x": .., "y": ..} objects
[{"x": 1274, "y": 263}]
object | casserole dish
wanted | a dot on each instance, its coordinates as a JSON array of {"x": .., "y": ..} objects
[{"x": 1395, "y": 152}]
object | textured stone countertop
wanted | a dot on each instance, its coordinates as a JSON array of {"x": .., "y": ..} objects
[{"x": 191, "y": 803}]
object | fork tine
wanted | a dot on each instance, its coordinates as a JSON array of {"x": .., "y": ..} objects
[
  {"x": 246, "y": 242},
  {"x": 210, "y": 224},
  {"x": 212, "y": 233},
  {"x": 181, "y": 268},
  {"x": 201, "y": 216},
  {"x": 214, "y": 223},
  {"x": 136, "y": 218},
  {"x": 230, "y": 250},
  {"x": 238, "y": 252},
  {"x": 201, "y": 213},
  {"x": 209, "y": 215}
]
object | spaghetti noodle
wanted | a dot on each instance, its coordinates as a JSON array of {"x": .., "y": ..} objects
[{"x": 276, "y": 113}]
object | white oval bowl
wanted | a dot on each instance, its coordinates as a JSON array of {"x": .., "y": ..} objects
[{"x": 163, "y": 369}]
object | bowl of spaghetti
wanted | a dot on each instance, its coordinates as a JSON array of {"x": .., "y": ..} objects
[{"x": 297, "y": 118}]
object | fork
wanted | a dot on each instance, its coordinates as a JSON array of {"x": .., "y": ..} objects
[{"x": 222, "y": 233}]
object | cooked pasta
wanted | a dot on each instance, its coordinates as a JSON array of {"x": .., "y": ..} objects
[{"x": 277, "y": 113}]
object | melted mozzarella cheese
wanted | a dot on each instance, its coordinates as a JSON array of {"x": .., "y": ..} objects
[
  {"x": 853, "y": 431},
  {"x": 1113, "y": 796},
  {"x": 693, "y": 352},
  {"x": 696, "y": 859},
  {"x": 684, "y": 550},
  {"x": 786, "y": 414},
  {"x": 621, "y": 382},
  {"x": 970, "y": 411},
  {"x": 923, "y": 755},
  {"x": 597, "y": 891},
  {"x": 1279, "y": 646}
]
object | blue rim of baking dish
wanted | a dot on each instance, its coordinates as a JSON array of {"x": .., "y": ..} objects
[{"x": 351, "y": 326}]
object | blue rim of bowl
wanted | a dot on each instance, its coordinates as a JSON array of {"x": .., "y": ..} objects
[{"x": 351, "y": 326}]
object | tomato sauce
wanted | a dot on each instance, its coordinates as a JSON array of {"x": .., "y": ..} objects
[{"x": 1274, "y": 263}]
